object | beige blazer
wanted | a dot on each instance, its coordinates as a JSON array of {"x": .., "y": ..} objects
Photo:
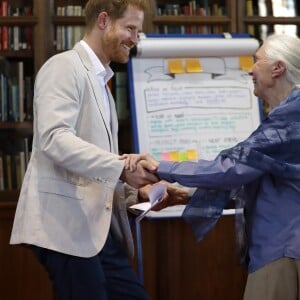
[{"x": 71, "y": 186}]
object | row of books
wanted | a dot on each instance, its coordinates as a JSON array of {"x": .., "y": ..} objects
[
  {"x": 13, "y": 162},
  {"x": 15, "y": 38},
  {"x": 70, "y": 10},
  {"x": 15, "y": 92},
  {"x": 12, "y": 170},
  {"x": 67, "y": 36},
  {"x": 120, "y": 92},
  {"x": 191, "y": 29},
  {"x": 192, "y": 8},
  {"x": 276, "y": 8},
  {"x": 7, "y": 9}
]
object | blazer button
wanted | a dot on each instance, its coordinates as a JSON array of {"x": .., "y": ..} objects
[{"x": 108, "y": 205}]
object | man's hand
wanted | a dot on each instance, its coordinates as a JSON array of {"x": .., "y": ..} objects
[
  {"x": 145, "y": 159},
  {"x": 138, "y": 177}
]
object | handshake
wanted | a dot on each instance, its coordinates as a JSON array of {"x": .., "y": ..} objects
[{"x": 140, "y": 171}]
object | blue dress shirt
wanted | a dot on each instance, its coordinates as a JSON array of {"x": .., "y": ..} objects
[{"x": 267, "y": 166}]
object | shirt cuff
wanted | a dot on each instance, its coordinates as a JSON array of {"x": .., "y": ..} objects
[{"x": 165, "y": 169}]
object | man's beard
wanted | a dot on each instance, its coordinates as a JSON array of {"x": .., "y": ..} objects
[{"x": 117, "y": 54}]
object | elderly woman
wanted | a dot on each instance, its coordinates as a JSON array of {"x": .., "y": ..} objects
[{"x": 262, "y": 172}]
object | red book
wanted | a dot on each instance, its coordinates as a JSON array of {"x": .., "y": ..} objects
[
  {"x": 4, "y": 8},
  {"x": 4, "y": 33},
  {"x": 4, "y": 38}
]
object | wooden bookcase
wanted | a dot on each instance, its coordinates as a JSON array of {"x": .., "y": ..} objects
[
  {"x": 21, "y": 54},
  {"x": 21, "y": 276},
  {"x": 192, "y": 17},
  {"x": 264, "y": 16},
  {"x": 232, "y": 16}
]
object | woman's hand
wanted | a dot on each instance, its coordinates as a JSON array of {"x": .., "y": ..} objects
[{"x": 174, "y": 195}]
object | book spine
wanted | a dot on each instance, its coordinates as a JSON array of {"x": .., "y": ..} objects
[
  {"x": 1, "y": 173},
  {"x": 21, "y": 91},
  {"x": 121, "y": 98}
]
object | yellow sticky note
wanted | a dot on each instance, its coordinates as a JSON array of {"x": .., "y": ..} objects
[
  {"x": 176, "y": 66},
  {"x": 192, "y": 154},
  {"x": 174, "y": 155},
  {"x": 246, "y": 62},
  {"x": 193, "y": 66}
]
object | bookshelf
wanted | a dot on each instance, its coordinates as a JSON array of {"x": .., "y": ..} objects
[
  {"x": 24, "y": 47},
  {"x": 18, "y": 63},
  {"x": 192, "y": 17},
  {"x": 256, "y": 17},
  {"x": 68, "y": 21},
  {"x": 268, "y": 16}
]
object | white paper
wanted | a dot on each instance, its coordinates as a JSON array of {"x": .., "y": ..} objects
[{"x": 156, "y": 194}]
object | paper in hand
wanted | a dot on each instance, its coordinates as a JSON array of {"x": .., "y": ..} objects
[{"x": 156, "y": 194}]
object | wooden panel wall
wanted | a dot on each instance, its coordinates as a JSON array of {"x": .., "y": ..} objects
[
  {"x": 176, "y": 267},
  {"x": 21, "y": 276}
]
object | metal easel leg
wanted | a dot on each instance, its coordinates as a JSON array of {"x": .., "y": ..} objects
[{"x": 139, "y": 251}]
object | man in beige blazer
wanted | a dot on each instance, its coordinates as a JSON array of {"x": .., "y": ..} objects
[{"x": 72, "y": 205}]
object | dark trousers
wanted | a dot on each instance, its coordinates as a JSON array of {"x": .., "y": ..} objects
[{"x": 106, "y": 276}]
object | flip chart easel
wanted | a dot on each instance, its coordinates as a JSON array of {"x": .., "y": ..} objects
[{"x": 192, "y": 97}]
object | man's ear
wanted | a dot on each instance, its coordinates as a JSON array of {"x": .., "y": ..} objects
[
  {"x": 102, "y": 19},
  {"x": 278, "y": 69}
]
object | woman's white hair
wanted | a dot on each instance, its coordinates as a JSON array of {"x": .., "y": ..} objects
[{"x": 285, "y": 48}]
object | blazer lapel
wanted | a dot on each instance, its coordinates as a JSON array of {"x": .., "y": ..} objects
[
  {"x": 114, "y": 121},
  {"x": 95, "y": 86}
]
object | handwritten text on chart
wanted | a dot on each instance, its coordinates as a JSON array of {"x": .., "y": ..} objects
[
  {"x": 207, "y": 133},
  {"x": 173, "y": 122},
  {"x": 170, "y": 97}
]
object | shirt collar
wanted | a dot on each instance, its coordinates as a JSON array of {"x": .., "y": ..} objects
[{"x": 101, "y": 72}]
